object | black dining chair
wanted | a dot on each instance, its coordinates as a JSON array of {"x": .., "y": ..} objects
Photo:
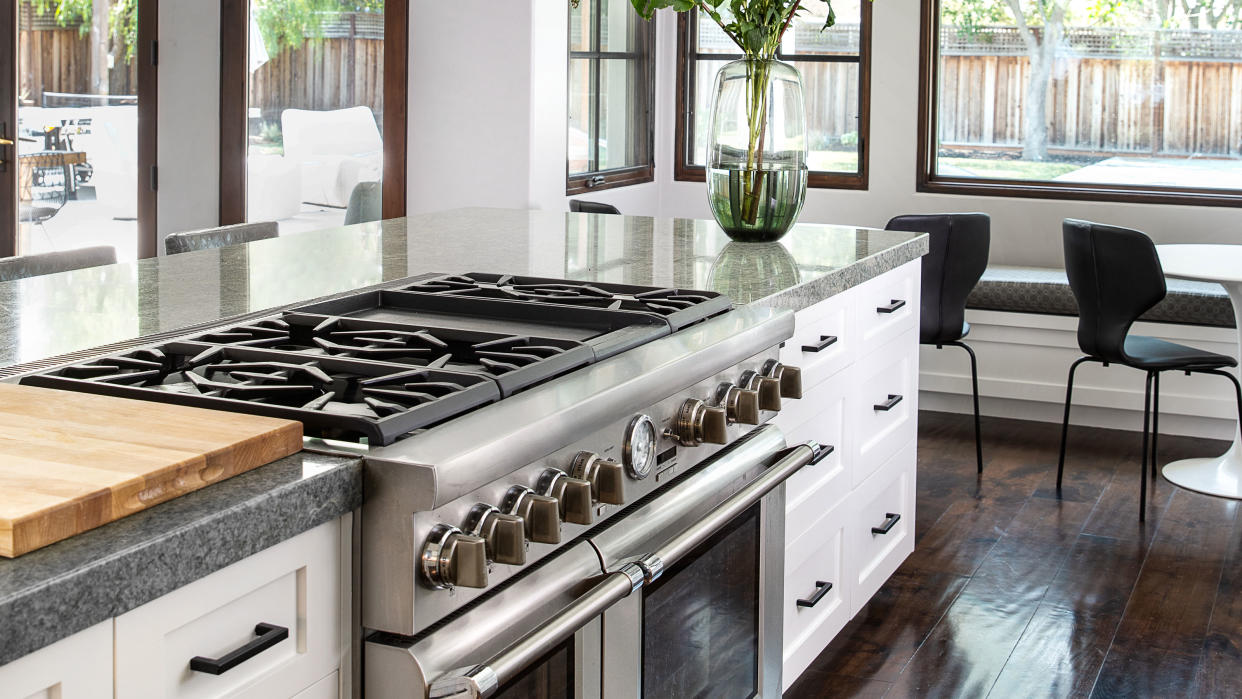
[
  {"x": 956, "y": 259},
  {"x": 1116, "y": 277},
  {"x": 592, "y": 207},
  {"x": 209, "y": 238}
]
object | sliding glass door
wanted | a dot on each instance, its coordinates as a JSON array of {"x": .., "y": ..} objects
[{"x": 79, "y": 113}]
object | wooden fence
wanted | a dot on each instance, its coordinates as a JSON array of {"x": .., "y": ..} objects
[
  {"x": 1103, "y": 105},
  {"x": 59, "y": 60},
  {"x": 323, "y": 74}
]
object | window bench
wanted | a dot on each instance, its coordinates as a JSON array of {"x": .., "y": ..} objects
[
  {"x": 1024, "y": 329},
  {"x": 1046, "y": 290}
]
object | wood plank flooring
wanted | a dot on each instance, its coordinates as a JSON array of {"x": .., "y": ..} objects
[{"x": 1013, "y": 591}]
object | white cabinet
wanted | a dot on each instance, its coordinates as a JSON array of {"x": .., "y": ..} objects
[
  {"x": 279, "y": 610},
  {"x": 77, "y": 667},
  {"x": 298, "y": 590},
  {"x": 849, "y": 520}
]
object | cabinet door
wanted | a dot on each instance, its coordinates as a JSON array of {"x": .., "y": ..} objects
[
  {"x": 77, "y": 667},
  {"x": 294, "y": 585}
]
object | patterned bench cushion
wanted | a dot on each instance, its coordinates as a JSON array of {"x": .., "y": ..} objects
[{"x": 1046, "y": 290}]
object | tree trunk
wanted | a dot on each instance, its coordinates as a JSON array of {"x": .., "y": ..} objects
[
  {"x": 99, "y": 46},
  {"x": 1035, "y": 107}
]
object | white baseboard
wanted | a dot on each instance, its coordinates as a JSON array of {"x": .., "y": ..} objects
[{"x": 1024, "y": 360}]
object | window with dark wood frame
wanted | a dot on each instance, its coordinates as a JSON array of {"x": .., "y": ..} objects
[
  {"x": 234, "y": 103},
  {"x": 930, "y": 145},
  {"x": 689, "y": 56},
  {"x": 587, "y": 168}
]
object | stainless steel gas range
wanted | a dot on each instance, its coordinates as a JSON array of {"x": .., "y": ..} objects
[{"x": 570, "y": 488}]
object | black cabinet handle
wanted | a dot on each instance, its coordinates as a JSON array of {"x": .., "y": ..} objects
[
  {"x": 821, "y": 589},
  {"x": 893, "y": 400},
  {"x": 266, "y": 636},
  {"x": 891, "y": 520},
  {"x": 891, "y": 307},
  {"x": 822, "y": 453},
  {"x": 825, "y": 341}
]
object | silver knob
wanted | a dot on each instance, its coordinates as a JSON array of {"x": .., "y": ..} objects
[
  {"x": 540, "y": 514},
  {"x": 697, "y": 423},
  {"x": 607, "y": 477},
  {"x": 789, "y": 377},
  {"x": 453, "y": 558},
  {"x": 505, "y": 535},
  {"x": 740, "y": 404},
  {"x": 573, "y": 495},
  {"x": 769, "y": 389}
]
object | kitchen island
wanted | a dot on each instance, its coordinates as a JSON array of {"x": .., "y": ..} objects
[{"x": 51, "y": 593}]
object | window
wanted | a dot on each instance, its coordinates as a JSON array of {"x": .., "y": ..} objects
[
  {"x": 611, "y": 94},
  {"x": 835, "y": 82},
  {"x": 1078, "y": 99}
]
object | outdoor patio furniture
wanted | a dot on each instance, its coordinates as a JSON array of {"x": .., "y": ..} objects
[
  {"x": 21, "y": 267},
  {"x": 273, "y": 187},
  {"x": 208, "y": 238},
  {"x": 335, "y": 150}
]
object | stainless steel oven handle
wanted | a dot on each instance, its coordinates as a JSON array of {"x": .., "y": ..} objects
[{"x": 483, "y": 680}]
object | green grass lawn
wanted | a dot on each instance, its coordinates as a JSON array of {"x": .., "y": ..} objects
[
  {"x": 1005, "y": 169},
  {"x": 832, "y": 161}
]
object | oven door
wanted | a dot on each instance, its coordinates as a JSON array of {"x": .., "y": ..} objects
[{"x": 616, "y": 629}]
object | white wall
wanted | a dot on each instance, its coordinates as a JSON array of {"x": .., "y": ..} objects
[{"x": 188, "y": 146}]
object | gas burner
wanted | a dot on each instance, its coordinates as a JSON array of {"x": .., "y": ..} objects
[
  {"x": 269, "y": 332},
  {"x": 664, "y": 302},
  {"x": 335, "y": 398}
]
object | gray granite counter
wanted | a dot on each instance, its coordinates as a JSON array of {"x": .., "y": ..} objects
[
  {"x": 53, "y": 592},
  {"x": 73, "y": 311}
]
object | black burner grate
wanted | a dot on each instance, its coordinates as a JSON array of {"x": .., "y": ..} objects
[{"x": 680, "y": 307}]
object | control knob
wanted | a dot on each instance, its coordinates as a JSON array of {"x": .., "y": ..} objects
[
  {"x": 697, "y": 423},
  {"x": 607, "y": 477},
  {"x": 540, "y": 514},
  {"x": 505, "y": 535},
  {"x": 453, "y": 558},
  {"x": 789, "y": 377},
  {"x": 572, "y": 494},
  {"x": 740, "y": 404},
  {"x": 768, "y": 388}
]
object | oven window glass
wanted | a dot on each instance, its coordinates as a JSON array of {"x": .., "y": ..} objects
[
  {"x": 549, "y": 678},
  {"x": 701, "y": 619}
]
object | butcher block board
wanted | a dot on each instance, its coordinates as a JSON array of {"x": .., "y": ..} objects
[{"x": 71, "y": 461}]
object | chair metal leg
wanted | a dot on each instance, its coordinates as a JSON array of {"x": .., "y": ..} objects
[
  {"x": 1069, "y": 392},
  {"x": 974, "y": 385},
  {"x": 1155, "y": 426},
  {"x": 1143, "y": 467}
]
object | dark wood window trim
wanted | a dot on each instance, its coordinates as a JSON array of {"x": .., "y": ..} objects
[
  {"x": 683, "y": 140},
  {"x": 234, "y": 101},
  {"x": 598, "y": 180},
  {"x": 8, "y": 129},
  {"x": 927, "y": 181}
]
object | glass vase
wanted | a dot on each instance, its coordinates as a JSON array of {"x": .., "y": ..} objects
[{"x": 756, "y": 158}]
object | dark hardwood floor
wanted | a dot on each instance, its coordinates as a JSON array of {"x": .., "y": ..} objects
[{"x": 1014, "y": 592}]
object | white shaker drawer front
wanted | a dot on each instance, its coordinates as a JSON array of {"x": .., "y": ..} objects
[
  {"x": 817, "y": 603},
  {"x": 818, "y": 487},
  {"x": 883, "y": 411},
  {"x": 888, "y": 305},
  {"x": 327, "y": 688},
  {"x": 881, "y": 528},
  {"x": 823, "y": 341},
  {"x": 76, "y": 667},
  {"x": 266, "y": 626}
]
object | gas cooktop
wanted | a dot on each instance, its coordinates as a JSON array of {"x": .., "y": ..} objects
[{"x": 373, "y": 366}]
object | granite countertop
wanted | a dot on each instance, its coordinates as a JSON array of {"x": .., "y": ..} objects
[{"x": 51, "y": 593}]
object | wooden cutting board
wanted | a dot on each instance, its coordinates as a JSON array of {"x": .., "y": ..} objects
[{"x": 70, "y": 461}]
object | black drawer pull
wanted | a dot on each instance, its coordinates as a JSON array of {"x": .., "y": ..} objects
[
  {"x": 825, "y": 341},
  {"x": 892, "y": 518},
  {"x": 891, "y": 307},
  {"x": 821, "y": 589},
  {"x": 893, "y": 400},
  {"x": 822, "y": 453},
  {"x": 266, "y": 636}
]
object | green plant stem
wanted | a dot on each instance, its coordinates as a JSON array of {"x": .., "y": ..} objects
[{"x": 758, "y": 76}]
